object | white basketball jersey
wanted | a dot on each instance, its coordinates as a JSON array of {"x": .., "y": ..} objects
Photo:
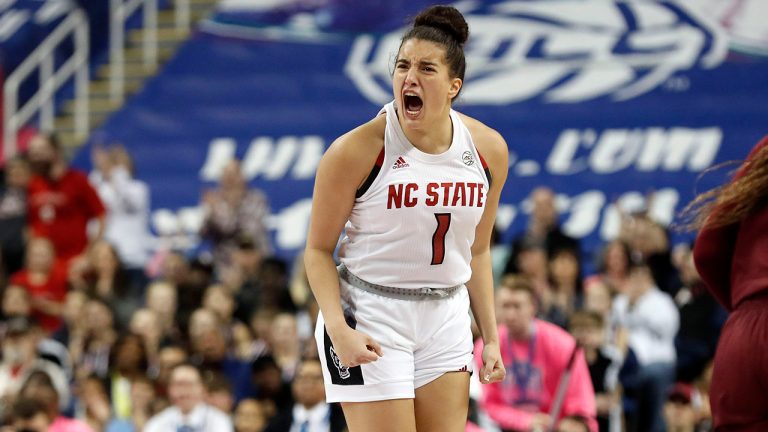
[{"x": 415, "y": 224}]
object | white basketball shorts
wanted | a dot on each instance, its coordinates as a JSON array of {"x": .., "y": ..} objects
[{"x": 420, "y": 340}]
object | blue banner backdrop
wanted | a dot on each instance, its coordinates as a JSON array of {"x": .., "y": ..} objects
[{"x": 604, "y": 102}]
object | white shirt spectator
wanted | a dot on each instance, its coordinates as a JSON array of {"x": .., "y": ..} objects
[
  {"x": 127, "y": 223},
  {"x": 317, "y": 419},
  {"x": 652, "y": 323},
  {"x": 203, "y": 418}
]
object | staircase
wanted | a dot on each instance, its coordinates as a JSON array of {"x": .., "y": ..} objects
[{"x": 169, "y": 38}]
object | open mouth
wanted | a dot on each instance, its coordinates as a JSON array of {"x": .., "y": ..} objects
[{"x": 413, "y": 104}]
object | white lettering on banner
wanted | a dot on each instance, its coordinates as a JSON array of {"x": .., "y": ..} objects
[
  {"x": 11, "y": 22},
  {"x": 267, "y": 158},
  {"x": 220, "y": 151},
  {"x": 52, "y": 10},
  {"x": 563, "y": 51},
  {"x": 651, "y": 149}
]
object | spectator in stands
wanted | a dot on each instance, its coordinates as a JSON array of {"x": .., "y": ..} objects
[
  {"x": 45, "y": 278},
  {"x": 260, "y": 325},
  {"x": 249, "y": 416},
  {"x": 95, "y": 407},
  {"x": 284, "y": 344},
  {"x": 679, "y": 413},
  {"x": 92, "y": 341},
  {"x": 162, "y": 300},
  {"x": 651, "y": 320},
  {"x": 102, "y": 275},
  {"x": 13, "y": 215},
  {"x": 189, "y": 412},
  {"x": 566, "y": 279},
  {"x": 168, "y": 358},
  {"x": 72, "y": 317},
  {"x": 543, "y": 227},
  {"x": 21, "y": 362},
  {"x": 310, "y": 412},
  {"x": 532, "y": 262},
  {"x": 16, "y": 302},
  {"x": 271, "y": 390},
  {"x": 613, "y": 267},
  {"x": 258, "y": 283},
  {"x": 536, "y": 355},
  {"x": 61, "y": 200},
  {"x": 209, "y": 344},
  {"x": 30, "y": 415},
  {"x": 146, "y": 324},
  {"x": 234, "y": 211},
  {"x": 128, "y": 361},
  {"x": 127, "y": 203},
  {"x": 649, "y": 241},
  {"x": 701, "y": 319},
  {"x": 42, "y": 388},
  {"x": 143, "y": 399},
  {"x": 218, "y": 391},
  {"x": 603, "y": 362}
]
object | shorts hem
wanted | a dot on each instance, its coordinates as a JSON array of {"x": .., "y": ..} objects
[{"x": 370, "y": 393}]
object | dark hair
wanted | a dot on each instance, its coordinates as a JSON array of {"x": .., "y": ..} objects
[
  {"x": 584, "y": 318},
  {"x": 445, "y": 26},
  {"x": 215, "y": 381},
  {"x": 26, "y": 408},
  {"x": 515, "y": 282}
]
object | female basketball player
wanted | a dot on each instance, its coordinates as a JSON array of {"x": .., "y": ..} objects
[
  {"x": 731, "y": 254},
  {"x": 418, "y": 203}
]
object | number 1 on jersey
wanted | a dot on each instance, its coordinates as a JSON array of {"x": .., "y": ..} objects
[{"x": 438, "y": 238}]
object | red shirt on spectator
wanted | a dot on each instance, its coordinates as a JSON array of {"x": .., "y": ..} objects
[
  {"x": 54, "y": 289},
  {"x": 60, "y": 210}
]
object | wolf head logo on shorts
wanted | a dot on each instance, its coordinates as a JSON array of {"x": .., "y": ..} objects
[
  {"x": 340, "y": 374},
  {"x": 343, "y": 370},
  {"x": 560, "y": 51}
]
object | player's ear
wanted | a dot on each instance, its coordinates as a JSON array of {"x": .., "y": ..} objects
[{"x": 456, "y": 84}]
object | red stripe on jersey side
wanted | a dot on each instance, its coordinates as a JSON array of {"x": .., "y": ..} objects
[
  {"x": 372, "y": 176},
  {"x": 485, "y": 166},
  {"x": 482, "y": 159}
]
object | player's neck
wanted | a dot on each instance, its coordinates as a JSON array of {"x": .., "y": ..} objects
[{"x": 434, "y": 139}]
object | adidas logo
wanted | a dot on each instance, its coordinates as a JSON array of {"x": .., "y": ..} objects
[{"x": 400, "y": 163}]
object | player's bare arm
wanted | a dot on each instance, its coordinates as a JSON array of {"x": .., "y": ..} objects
[
  {"x": 494, "y": 149},
  {"x": 342, "y": 169}
]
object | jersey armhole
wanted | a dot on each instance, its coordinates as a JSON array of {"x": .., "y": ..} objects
[
  {"x": 372, "y": 176},
  {"x": 485, "y": 167}
]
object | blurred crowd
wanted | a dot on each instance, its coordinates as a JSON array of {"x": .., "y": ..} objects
[{"x": 103, "y": 331}]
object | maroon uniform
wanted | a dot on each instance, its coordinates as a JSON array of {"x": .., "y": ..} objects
[{"x": 733, "y": 262}]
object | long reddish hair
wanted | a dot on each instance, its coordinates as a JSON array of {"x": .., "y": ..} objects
[{"x": 732, "y": 202}]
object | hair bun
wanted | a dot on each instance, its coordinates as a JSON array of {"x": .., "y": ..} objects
[{"x": 445, "y": 18}]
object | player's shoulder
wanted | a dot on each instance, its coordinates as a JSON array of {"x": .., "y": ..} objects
[
  {"x": 488, "y": 141},
  {"x": 361, "y": 143}
]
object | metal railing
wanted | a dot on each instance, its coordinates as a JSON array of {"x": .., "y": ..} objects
[
  {"x": 51, "y": 79},
  {"x": 120, "y": 12}
]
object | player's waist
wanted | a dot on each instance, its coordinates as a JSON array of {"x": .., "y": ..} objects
[{"x": 413, "y": 294}]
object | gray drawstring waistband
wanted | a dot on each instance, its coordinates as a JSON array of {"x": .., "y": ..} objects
[{"x": 397, "y": 293}]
